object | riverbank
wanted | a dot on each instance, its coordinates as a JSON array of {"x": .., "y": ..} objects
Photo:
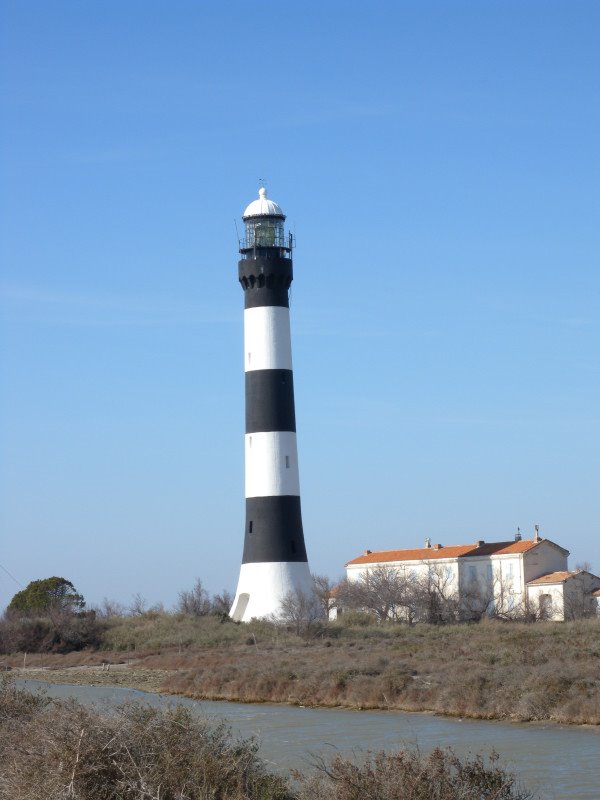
[
  {"x": 53, "y": 747},
  {"x": 488, "y": 671},
  {"x": 556, "y": 761}
]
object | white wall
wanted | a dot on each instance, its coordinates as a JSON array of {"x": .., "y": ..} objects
[{"x": 543, "y": 559}]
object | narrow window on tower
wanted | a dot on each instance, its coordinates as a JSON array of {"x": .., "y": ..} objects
[
  {"x": 249, "y": 441},
  {"x": 250, "y": 527},
  {"x": 287, "y": 462},
  {"x": 249, "y": 357}
]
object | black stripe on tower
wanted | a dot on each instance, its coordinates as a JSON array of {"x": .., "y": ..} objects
[
  {"x": 273, "y": 530},
  {"x": 265, "y": 279},
  {"x": 270, "y": 400}
]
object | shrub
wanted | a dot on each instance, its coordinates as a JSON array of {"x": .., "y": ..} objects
[
  {"x": 60, "y": 632},
  {"x": 138, "y": 753},
  {"x": 410, "y": 775},
  {"x": 18, "y": 704}
]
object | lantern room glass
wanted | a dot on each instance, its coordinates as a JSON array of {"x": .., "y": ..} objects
[{"x": 264, "y": 232}]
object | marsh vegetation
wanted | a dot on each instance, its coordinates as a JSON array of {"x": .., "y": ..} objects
[
  {"x": 61, "y": 749},
  {"x": 487, "y": 670}
]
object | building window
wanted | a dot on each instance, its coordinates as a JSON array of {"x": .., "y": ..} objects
[
  {"x": 249, "y": 441},
  {"x": 250, "y": 527},
  {"x": 287, "y": 462}
]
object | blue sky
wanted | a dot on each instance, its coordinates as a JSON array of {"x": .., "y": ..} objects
[{"x": 438, "y": 162}]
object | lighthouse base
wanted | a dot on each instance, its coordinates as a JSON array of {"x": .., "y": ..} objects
[{"x": 262, "y": 587}]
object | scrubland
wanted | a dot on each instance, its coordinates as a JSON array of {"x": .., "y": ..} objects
[
  {"x": 488, "y": 670},
  {"x": 58, "y": 749}
]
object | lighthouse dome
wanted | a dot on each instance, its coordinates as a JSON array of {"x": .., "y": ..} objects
[{"x": 263, "y": 207}]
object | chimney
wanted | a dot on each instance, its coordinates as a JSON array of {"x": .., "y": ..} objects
[
  {"x": 437, "y": 546},
  {"x": 479, "y": 543},
  {"x": 518, "y": 535},
  {"x": 537, "y": 537},
  {"x": 427, "y": 542},
  {"x": 367, "y": 552}
]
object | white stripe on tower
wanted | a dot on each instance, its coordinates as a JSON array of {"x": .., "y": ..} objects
[
  {"x": 267, "y": 339},
  {"x": 271, "y": 464}
]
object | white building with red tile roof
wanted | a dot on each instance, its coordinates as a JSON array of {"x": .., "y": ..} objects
[{"x": 507, "y": 579}]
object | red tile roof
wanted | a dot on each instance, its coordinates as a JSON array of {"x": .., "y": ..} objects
[
  {"x": 551, "y": 577},
  {"x": 452, "y": 551}
]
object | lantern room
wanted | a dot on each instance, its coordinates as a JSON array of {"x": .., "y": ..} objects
[{"x": 264, "y": 220}]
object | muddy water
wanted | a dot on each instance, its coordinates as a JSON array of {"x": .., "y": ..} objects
[{"x": 560, "y": 763}]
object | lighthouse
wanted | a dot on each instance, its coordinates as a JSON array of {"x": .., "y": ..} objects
[{"x": 274, "y": 561}]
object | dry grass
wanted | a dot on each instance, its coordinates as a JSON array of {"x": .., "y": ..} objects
[
  {"x": 157, "y": 631},
  {"x": 486, "y": 671},
  {"x": 63, "y": 750},
  {"x": 491, "y": 670}
]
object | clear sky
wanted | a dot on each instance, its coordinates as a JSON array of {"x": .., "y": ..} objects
[{"x": 439, "y": 164}]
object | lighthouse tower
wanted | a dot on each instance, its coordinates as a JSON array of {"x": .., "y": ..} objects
[{"x": 274, "y": 561}]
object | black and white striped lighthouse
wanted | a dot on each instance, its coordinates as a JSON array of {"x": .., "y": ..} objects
[{"x": 274, "y": 561}]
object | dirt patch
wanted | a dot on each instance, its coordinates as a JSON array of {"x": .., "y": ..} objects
[{"x": 147, "y": 680}]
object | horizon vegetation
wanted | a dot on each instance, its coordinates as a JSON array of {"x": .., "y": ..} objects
[{"x": 490, "y": 669}]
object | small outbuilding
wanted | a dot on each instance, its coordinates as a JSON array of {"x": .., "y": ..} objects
[{"x": 565, "y": 595}]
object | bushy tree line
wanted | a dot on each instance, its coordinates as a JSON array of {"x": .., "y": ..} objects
[{"x": 50, "y": 616}]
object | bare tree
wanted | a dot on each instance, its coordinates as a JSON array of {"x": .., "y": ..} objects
[
  {"x": 507, "y": 604},
  {"x": 301, "y": 610},
  {"x": 139, "y": 605},
  {"x": 195, "y": 601},
  {"x": 438, "y": 601},
  {"x": 478, "y": 600},
  {"x": 323, "y": 588},
  {"x": 579, "y": 601},
  {"x": 221, "y": 603},
  {"x": 386, "y": 592},
  {"x": 111, "y": 608}
]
